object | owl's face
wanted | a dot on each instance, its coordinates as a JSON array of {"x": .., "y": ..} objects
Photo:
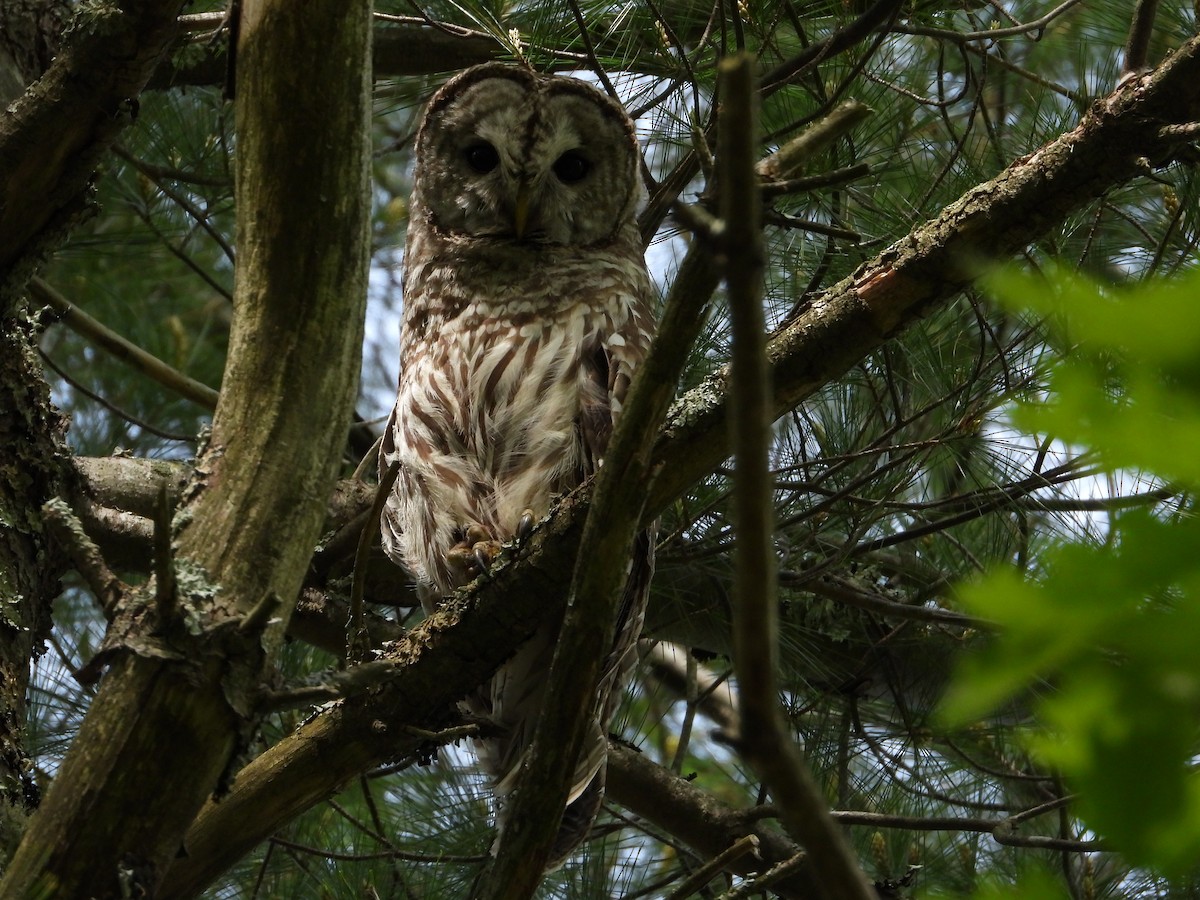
[{"x": 509, "y": 155}]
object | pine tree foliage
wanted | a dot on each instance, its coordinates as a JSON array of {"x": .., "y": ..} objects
[{"x": 894, "y": 483}]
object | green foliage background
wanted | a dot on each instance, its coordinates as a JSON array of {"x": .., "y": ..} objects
[{"x": 1104, "y": 638}]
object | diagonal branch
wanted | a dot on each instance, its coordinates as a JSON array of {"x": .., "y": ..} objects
[
  {"x": 700, "y": 820},
  {"x": 762, "y": 736},
  {"x": 127, "y": 351},
  {"x": 1119, "y": 139},
  {"x": 52, "y": 137},
  {"x": 459, "y": 648}
]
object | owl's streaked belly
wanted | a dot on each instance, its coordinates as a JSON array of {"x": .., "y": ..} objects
[{"x": 487, "y": 422}]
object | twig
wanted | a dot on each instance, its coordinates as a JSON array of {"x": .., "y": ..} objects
[
  {"x": 778, "y": 871},
  {"x": 438, "y": 858},
  {"x": 662, "y": 664},
  {"x": 698, "y": 220},
  {"x": 832, "y": 178},
  {"x": 591, "y": 50},
  {"x": 720, "y": 862},
  {"x": 335, "y": 686},
  {"x": 697, "y": 819},
  {"x": 201, "y": 216},
  {"x": 689, "y": 714},
  {"x": 85, "y": 555},
  {"x": 1000, "y": 830},
  {"x": 876, "y": 16},
  {"x": 1037, "y": 27},
  {"x": 763, "y": 739},
  {"x": 158, "y": 173},
  {"x": 106, "y": 339},
  {"x": 112, "y": 407},
  {"x": 775, "y": 217},
  {"x": 358, "y": 641},
  {"x": 444, "y": 735},
  {"x": 844, "y": 591},
  {"x": 801, "y": 150}
]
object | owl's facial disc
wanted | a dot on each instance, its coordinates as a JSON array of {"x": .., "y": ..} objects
[{"x": 545, "y": 161}]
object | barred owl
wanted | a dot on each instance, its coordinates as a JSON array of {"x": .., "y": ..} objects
[{"x": 526, "y": 311}]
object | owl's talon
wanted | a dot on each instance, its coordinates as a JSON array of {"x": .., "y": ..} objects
[
  {"x": 485, "y": 553},
  {"x": 525, "y": 525},
  {"x": 460, "y": 561}
]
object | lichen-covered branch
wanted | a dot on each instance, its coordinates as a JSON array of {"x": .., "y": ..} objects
[
  {"x": 1121, "y": 138},
  {"x": 763, "y": 737}
]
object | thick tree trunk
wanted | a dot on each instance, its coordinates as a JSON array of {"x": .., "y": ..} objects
[
  {"x": 33, "y": 462},
  {"x": 32, "y": 467},
  {"x": 186, "y": 659}
]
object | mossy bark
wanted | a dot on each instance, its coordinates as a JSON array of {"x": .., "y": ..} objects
[{"x": 33, "y": 468}]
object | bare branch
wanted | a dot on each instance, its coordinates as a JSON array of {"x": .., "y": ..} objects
[
  {"x": 127, "y": 351},
  {"x": 762, "y": 737},
  {"x": 722, "y": 861},
  {"x": 85, "y": 555},
  {"x": 793, "y": 157}
]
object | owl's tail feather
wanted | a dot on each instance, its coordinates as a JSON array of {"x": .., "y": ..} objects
[
  {"x": 577, "y": 821},
  {"x": 514, "y": 698},
  {"x": 583, "y": 801}
]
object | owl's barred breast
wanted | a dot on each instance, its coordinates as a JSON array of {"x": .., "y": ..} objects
[{"x": 497, "y": 374}]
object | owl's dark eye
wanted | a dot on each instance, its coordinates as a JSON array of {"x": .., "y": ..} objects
[
  {"x": 572, "y": 167},
  {"x": 482, "y": 157}
]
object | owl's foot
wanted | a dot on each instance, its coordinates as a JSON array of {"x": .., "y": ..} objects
[{"x": 472, "y": 556}]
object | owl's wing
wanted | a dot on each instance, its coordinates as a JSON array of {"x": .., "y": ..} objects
[
  {"x": 608, "y": 363},
  {"x": 609, "y": 360}
]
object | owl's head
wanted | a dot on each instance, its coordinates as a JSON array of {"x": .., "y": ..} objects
[{"x": 507, "y": 154}]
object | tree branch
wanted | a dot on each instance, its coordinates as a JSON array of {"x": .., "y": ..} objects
[
  {"x": 1118, "y": 140},
  {"x": 53, "y": 136},
  {"x": 762, "y": 737},
  {"x": 698, "y": 819},
  {"x": 127, "y": 351}
]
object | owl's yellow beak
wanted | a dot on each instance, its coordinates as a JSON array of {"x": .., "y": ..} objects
[{"x": 521, "y": 210}]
